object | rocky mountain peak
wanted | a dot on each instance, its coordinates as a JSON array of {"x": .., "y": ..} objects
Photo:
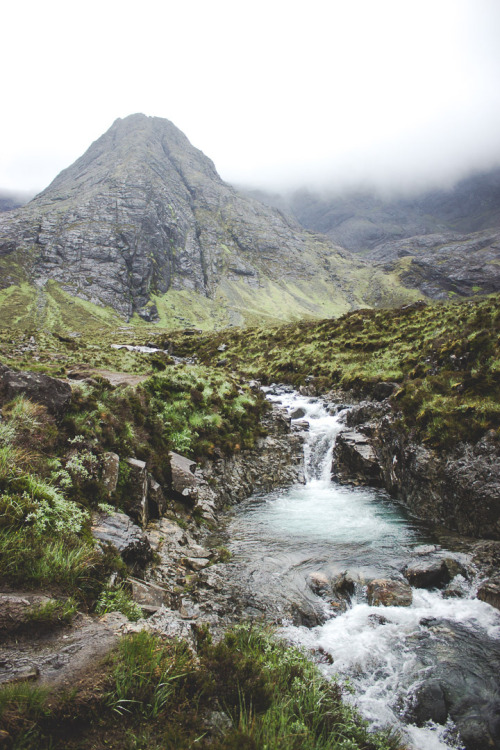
[{"x": 143, "y": 220}]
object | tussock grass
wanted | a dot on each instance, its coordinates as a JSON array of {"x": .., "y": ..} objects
[
  {"x": 444, "y": 357},
  {"x": 155, "y": 692}
]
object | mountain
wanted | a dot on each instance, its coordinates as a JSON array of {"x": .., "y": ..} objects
[
  {"x": 444, "y": 264},
  {"x": 361, "y": 220},
  {"x": 441, "y": 242},
  {"x": 143, "y": 224}
]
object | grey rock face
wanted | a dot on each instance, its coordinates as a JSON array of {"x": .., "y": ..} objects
[
  {"x": 144, "y": 212},
  {"x": 459, "y": 490},
  {"x": 118, "y": 530},
  {"x": 440, "y": 264}
]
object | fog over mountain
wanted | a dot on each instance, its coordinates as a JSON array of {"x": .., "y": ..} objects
[{"x": 397, "y": 96}]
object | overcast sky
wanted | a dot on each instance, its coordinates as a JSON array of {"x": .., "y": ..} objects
[{"x": 278, "y": 93}]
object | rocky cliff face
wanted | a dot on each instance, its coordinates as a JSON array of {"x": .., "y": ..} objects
[
  {"x": 440, "y": 265},
  {"x": 459, "y": 490},
  {"x": 440, "y": 242},
  {"x": 143, "y": 213}
]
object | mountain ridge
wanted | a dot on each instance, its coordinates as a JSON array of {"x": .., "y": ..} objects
[{"x": 142, "y": 223}]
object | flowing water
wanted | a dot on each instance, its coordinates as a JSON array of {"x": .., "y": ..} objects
[{"x": 439, "y": 650}]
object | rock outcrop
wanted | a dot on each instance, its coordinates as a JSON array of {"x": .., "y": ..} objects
[
  {"x": 52, "y": 393},
  {"x": 444, "y": 264},
  {"x": 276, "y": 461},
  {"x": 459, "y": 490}
]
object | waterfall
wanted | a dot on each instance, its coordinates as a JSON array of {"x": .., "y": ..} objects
[{"x": 445, "y": 647}]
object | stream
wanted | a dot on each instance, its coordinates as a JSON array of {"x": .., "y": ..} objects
[{"x": 431, "y": 669}]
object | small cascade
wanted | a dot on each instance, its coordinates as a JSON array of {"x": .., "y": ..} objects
[{"x": 428, "y": 668}]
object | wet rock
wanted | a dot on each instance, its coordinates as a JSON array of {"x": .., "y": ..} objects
[
  {"x": 52, "y": 393},
  {"x": 470, "y": 694},
  {"x": 456, "y": 589},
  {"x": 354, "y": 459},
  {"x": 318, "y": 583},
  {"x": 276, "y": 461},
  {"x": 344, "y": 584},
  {"x": 489, "y": 591},
  {"x": 486, "y": 557},
  {"x": 427, "y": 702},
  {"x": 455, "y": 568},
  {"x": 128, "y": 539},
  {"x": 459, "y": 490},
  {"x": 425, "y": 549},
  {"x": 110, "y": 469},
  {"x": 389, "y": 593},
  {"x": 375, "y": 620},
  {"x": 298, "y": 413},
  {"x": 428, "y": 575},
  {"x": 301, "y": 425}
]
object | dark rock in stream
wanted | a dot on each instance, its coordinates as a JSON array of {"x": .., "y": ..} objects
[
  {"x": 427, "y": 575},
  {"x": 427, "y": 702},
  {"x": 450, "y": 652}
]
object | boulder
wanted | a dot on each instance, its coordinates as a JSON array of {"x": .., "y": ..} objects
[
  {"x": 110, "y": 469},
  {"x": 386, "y": 592},
  {"x": 184, "y": 482},
  {"x": 355, "y": 461},
  {"x": 344, "y": 584},
  {"x": 427, "y": 702},
  {"x": 489, "y": 591},
  {"x": 149, "y": 596},
  {"x": 52, "y": 393},
  {"x": 428, "y": 574},
  {"x": 135, "y": 500},
  {"x": 125, "y": 536},
  {"x": 298, "y": 413},
  {"x": 319, "y": 583}
]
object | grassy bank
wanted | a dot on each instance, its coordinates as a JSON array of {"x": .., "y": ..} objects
[
  {"x": 445, "y": 359},
  {"x": 248, "y": 692},
  {"x": 51, "y": 471}
]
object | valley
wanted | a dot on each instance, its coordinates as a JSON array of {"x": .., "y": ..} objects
[{"x": 233, "y": 450}]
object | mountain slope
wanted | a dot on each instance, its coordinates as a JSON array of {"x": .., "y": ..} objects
[
  {"x": 142, "y": 223},
  {"x": 362, "y": 220}
]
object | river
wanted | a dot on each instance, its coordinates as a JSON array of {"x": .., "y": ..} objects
[{"x": 429, "y": 669}]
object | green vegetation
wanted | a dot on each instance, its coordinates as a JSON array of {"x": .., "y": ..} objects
[
  {"x": 51, "y": 472},
  {"x": 444, "y": 357},
  {"x": 156, "y": 693}
]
